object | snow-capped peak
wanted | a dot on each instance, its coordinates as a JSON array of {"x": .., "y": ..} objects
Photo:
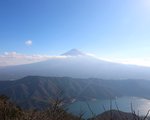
[{"x": 74, "y": 52}]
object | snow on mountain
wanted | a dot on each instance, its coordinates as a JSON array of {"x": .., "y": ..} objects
[
  {"x": 74, "y": 52},
  {"x": 76, "y": 64}
]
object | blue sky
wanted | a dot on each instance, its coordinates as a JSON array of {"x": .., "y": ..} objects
[{"x": 108, "y": 28}]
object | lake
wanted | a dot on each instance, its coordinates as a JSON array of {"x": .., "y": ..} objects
[{"x": 140, "y": 106}]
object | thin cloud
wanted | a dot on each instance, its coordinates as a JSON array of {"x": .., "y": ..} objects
[
  {"x": 131, "y": 61},
  {"x": 28, "y": 42},
  {"x": 14, "y": 58},
  {"x": 134, "y": 61}
]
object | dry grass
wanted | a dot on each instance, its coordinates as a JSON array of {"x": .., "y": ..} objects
[{"x": 9, "y": 111}]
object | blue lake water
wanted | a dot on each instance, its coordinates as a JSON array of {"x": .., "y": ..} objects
[{"x": 140, "y": 106}]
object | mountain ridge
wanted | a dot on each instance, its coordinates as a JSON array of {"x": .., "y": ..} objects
[
  {"x": 78, "y": 66},
  {"x": 36, "y": 91}
]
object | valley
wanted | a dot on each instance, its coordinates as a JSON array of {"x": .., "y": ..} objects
[{"x": 36, "y": 91}]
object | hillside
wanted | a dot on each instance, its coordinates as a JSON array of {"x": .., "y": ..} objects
[
  {"x": 36, "y": 91},
  {"x": 116, "y": 115},
  {"x": 9, "y": 111}
]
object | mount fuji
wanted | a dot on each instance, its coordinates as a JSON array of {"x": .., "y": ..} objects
[
  {"x": 74, "y": 52},
  {"x": 75, "y": 63}
]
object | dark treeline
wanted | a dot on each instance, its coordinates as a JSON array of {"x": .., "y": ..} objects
[
  {"x": 55, "y": 111},
  {"x": 10, "y": 111}
]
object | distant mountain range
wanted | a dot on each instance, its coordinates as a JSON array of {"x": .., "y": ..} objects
[
  {"x": 37, "y": 91},
  {"x": 78, "y": 65}
]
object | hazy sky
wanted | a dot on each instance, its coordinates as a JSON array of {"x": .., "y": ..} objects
[{"x": 113, "y": 29}]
